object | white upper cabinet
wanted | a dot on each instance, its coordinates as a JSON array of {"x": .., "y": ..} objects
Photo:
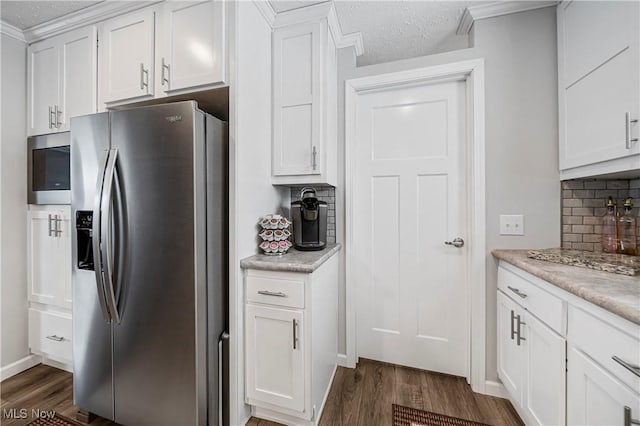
[
  {"x": 192, "y": 49},
  {"x": 172, "y": 48},
  {"x": 62, "y": 76},
  {"x": 304, "y": 148},
  {"x": 599, "y": 87},
  {"x": 126, "y": 57}
]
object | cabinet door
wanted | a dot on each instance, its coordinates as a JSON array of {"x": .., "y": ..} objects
[
  {"x": 49, "y": 257},
  {"x": 595, "y": 397},
  {"x": 599, "y": 79},
  {"x": 274, "y": 357},
  {"x": 127, "y": 56},
  {"x": 193, "y": 45},
  {"x": 510, "y": 354},
  {"x": 297, "y": 76},
  {"x": 545, "y": 373},
  {"x": 78, "y": 75},
  {"x": 42, "y": 86}
]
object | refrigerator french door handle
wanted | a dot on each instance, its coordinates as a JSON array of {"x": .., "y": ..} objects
[
  {"x": 96, "y": 232},
  {"x": 105, "y": 234}
]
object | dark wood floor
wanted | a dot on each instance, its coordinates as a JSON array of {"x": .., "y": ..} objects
[
  {"x": 363, "y": 396},
  {"x": 360, "y": 396}
]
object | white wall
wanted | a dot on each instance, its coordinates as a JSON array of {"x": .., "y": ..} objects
[
  {"x": 251, "y": 192},
  {"x": 13, "y": 201},
  {"x": 521, "y": 135}
]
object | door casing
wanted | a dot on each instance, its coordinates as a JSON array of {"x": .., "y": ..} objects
[{"x": 472, "y": 73}]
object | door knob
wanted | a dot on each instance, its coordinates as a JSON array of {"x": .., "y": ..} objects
[{"x": 457, "y": 242}]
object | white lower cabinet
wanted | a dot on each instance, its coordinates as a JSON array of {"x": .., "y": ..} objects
[
  {"x": 275, "y": 354},
  {"x": 578, "y": 366},
  {"x": 291, "y": 342},
  {"x": 49, "y": 282},
  {"x": 531, "y": 364}
]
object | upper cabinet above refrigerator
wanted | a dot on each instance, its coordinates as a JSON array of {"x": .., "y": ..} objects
[
  {"x": 598, "y": 87},
  {"x": 168, "y": 49},
  {"x": 62, "y": 75}
]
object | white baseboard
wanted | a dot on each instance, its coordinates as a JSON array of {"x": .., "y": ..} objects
[
  {"x": 57, "y": 364},
  {"x": 19, "y": 366},
  {"x": 495, "y": 389},
  {"x": 342, "y": 361}
]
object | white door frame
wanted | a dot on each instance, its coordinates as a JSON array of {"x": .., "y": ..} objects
[{"x": 472, "y": 73}]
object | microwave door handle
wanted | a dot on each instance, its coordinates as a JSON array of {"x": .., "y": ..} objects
[
  {"x": 97, "y": 253},
  {"x": 105, "y": 234}
]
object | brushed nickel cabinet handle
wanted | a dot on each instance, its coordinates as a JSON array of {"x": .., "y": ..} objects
[
  {"x": 165, "y": 79},
  {"x": 513, "y": 329},
  {"x": 520, "y": 338},
  {"x": 627, "y": 128},
  {"x": 272, "y": 293},
  {"x": 517, "y": 291},
  {"x": 57, "y": 114},
  {"x": 55, "y": 338},
  {"x": 314, "y": 153},
  {"x": 56, "y": 230},
  {"x": 628, "y": 421},
  {"x": 50, "y": 119},
  {"x": 295, "y": 334},
  {"x": 633, "y": 368},
  {"x": 144, "y": 78},
  {"x": 50, "y": 228}
]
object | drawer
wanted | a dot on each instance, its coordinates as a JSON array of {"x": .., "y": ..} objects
[
  {"x": 278, "y": 289},
  {"x": 548, "y": 308},
  {"x": 50, "y": 334},
  {"x": 601, "y": 342}
]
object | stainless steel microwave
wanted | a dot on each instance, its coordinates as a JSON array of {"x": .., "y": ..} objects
[{"x": 49, "y": 168}]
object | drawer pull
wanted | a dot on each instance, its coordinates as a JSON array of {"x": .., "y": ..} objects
[
  {"x": 628, "y": 421},
  {"x": 517, "y": 291},
  {"x": 272, "y": 293},
  {"x": 295, "y": 334},
  {"x": 633, "y": 368},
  {"x": 55, "y": 338}
]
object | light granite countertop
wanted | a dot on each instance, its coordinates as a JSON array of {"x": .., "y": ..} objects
[
  {"x": 293, "y": 261},
  {"x": 619, "y": 294}
]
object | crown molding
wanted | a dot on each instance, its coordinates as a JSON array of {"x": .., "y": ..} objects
[
  {"x": 492, "y": 10},
  {"x": 81, "y": 18},
  {"x": 267, "y": 11},
  {"x": 316, "y": 12},
  {"x": 11, "y": 31}
]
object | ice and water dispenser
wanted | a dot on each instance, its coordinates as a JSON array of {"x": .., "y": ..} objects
[{"x": 84, "y": 231}]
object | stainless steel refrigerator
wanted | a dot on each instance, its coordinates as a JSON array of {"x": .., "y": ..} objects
[{"x": 149, "y": 200}]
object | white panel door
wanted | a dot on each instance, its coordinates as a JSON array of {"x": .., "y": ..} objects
[
  {"x": 193, "y": 43},
  {"x": 545, "y": 375},
  {"x": 49, "y": 260},
  {"x": 42, "y": 86},
  {"x": 297, "y": 120},
  {"x": 78, "y": 75},
  {"x": 595, "y": 397},
  {"x": 127, "y": 57},
  {"x": 275, "y": 357},
  {"x": 408, "y": 199},
  {"x": 511, "y": 356}
]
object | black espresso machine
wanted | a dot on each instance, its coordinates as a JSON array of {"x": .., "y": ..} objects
[{"x": 309, "y": 216}]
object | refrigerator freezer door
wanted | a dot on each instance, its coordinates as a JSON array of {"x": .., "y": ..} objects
[
  {"x": 160, "y": 344},
  {"x": 92, "y": 344}
]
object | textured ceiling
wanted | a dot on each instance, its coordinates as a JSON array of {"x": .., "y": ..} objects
[
  {"x": 26, "y": 14},
  {"x": 393, "y": 30}
]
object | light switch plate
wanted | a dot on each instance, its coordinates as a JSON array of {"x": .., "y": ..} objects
[{"x": 511, "y": 224}]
